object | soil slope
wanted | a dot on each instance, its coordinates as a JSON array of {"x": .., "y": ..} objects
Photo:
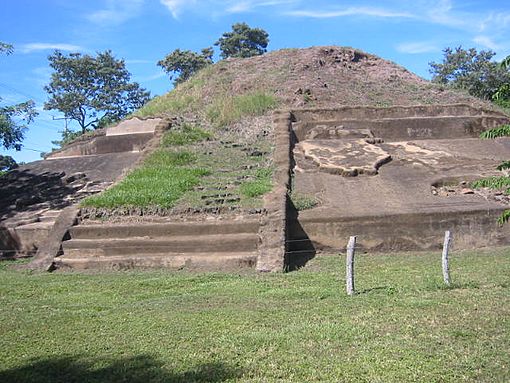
[{"x": 319, "y": 77}]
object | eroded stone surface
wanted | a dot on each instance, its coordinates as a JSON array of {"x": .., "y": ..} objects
[{"x": 345, "y": 157}]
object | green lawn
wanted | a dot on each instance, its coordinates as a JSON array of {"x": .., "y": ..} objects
[{"x": 403, "y": 326}]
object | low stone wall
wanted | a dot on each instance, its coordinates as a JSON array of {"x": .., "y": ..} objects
[
  {"x": 273, "y": 230},
  {"x": 402, "y": 232},
  {"x": 104, "y": 145},
  {"x": 373, "y": 113},
  {"x": 411, "y": 128},
  {"x": 127, "y": 136}
]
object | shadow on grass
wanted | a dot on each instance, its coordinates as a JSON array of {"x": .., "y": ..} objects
[
  {"x": 140, "y": 369},
  {"x": 389, "y": 289}
]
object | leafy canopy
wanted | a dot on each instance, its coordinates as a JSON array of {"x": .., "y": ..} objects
[
  {"x": 243, "y": 41},
  {"x": 470, "y": 70},
  {"x": 7, "y": 163},
  {"x": 183, "y": 64},
  {"x": 92, "y": 90},
  {"x": 502, "y": 96},
  {"x": 14, "y": 118}
]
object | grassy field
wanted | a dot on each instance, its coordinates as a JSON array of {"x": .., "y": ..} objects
[{"x": 402, "y": 326}]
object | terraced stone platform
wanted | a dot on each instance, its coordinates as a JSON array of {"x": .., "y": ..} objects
[
  {"x": 222, "y": 245},
  {"x": 32, "y": 196},
  {"x": 375, "y": 173}
]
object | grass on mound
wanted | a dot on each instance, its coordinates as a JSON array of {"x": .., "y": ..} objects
[
  {"x": 402, "y": 326},
  {"x": 184, "y": 135},
  {"x": 209, "y": 94},
  {"x": 260, "y": 185},
  {"x": 162, "y": 179}
]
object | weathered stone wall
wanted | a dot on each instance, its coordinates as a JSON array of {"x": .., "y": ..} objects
[
  {"x": 401, "y": 232},
  {"x": 372, "y": 113},
  {"x": 273, "y": 230},
  {"x": 402, "y": 123},
  {"x": 134, "y": 125},
  {"x": 128, "y": 136}
]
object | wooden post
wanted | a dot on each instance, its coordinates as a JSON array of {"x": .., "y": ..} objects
[
  {"x": 349, "y": 266},
  {"x": 446, "y": 266}
]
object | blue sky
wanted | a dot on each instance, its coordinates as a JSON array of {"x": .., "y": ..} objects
[{"x": 411, "y": 33}]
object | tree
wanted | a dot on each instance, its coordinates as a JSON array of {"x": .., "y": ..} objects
[
  {"x": 470, "y": 70},
  {"x": 14, "y": 118},
  {"x": 184, "y": 64},
  {"x": 13, "y": 123},
  {"x": 7, "y": 163},
  {"x": 243, "y": 41},
  {"x": 502, "y": 96},
  {"x": 91, "y": 90},
  {"x": 6, "y": 48}
]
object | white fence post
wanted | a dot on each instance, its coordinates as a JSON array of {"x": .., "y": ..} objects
[
  {"x": 349, "y": 265},
  {"x": 446, "y": 266}
]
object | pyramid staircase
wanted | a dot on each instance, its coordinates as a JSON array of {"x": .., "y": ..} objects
[{"x": 218, "y": 245}]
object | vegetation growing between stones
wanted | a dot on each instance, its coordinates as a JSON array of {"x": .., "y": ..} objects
[
  {"x": 495, "y": 182},
  {"x": 162, "y": 179},
  {"x": 160, "y": 326},
  {"x": 501, "y": 131},
  {"x": 183, "y": 135},
  {"x": 260, "y": 186},
  {"x": 303, "y": 202}
]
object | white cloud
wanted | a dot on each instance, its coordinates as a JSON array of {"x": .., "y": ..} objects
[
  {"x": 417, "y": 47},
  {"x": 249, "y": 5},
  {"x": 351, "y": 11},
  {"x": 152, "y": 77},
  {"x": 116, "y": 12},
  {"x": 175, "y": 6},
  {"x": 33, "y": 47},
  {"x": 486, "y": 42}
]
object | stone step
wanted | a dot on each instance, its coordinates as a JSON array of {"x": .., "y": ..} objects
[
  {"x": 411, "y": 128},
  {"x": 163, "y": 229},
  {"x": 200, "y": 261},
  {"x": 145, "y": 245},
  {"x": 365, "y": 113},
  {"x": 49, "y": 216},
  {"x": 32, "y": 235}
]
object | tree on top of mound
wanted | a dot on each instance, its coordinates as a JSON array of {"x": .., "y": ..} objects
[
  {"x": 181, "y": 65},
  {"x": 92, "y": 91},
  {"x": 243, "y": 41}
]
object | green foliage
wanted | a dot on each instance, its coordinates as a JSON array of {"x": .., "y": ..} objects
[
  {"x": 303, "y": 202},
  {"x": 14, "y": 118},
  {"x": 7, "y": 163},
  {"x": 181, "y": 65},
  {"x": 505, "y": 63},
  {"x": 92, "y": 90},
  {"x": 471, "y": 71},
  {"x": 504, "y": 165},
  {"x": 501, "y": 131},
  {"x": 495, "y": 182},
  {"x": 6, "y": 48},
  {"x": 243, "y": 41},
  {"x": 13, "y": 123},
  {"x": 162, "y": 179},
  {"x": 183, "y": 135},
  {"x": 228, "y": 109},
  {"x": 504, "y": 217},
  {"x": 260, "y": 185}
]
